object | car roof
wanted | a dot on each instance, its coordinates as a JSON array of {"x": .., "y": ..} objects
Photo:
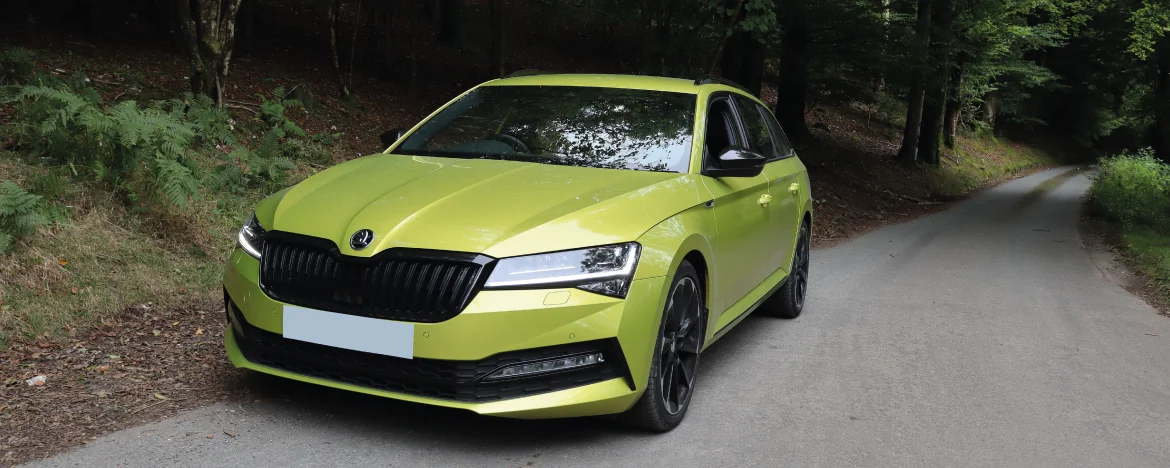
[{"x": 650, "y": 83}]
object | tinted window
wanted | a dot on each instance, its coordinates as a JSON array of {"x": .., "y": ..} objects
[
  {"x": 759, "y": 136},
  {"x": 778, "y": 136},
  {"x": 576, "y": 126}
]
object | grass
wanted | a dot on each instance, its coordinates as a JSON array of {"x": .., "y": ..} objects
[
  {"x": 977, "y": 162},
  {"x": 1132, "y": 193},
  {"x": 1149, "y": 251},
  {"x": 101, "y": 258}
]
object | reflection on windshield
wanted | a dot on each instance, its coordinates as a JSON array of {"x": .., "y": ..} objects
[{"x": 576, "y": 126}]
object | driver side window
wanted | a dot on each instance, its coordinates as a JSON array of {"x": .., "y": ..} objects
[{"x": 721, "y": 131}]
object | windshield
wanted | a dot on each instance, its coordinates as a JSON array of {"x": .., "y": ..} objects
[{"x": 576, "y": 126}]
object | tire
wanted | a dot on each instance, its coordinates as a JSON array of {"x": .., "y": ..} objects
[
  {"x": 675, "y": 361},
  {"x": 788, "y": 301}
]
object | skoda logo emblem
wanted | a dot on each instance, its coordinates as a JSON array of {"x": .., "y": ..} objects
[{"x": 361, "y": 239}]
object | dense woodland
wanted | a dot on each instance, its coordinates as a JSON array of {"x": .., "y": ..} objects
[{"x": 1097, "y": 71}]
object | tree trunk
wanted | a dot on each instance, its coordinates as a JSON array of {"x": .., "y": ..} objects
[
  {"x": 933, "y": 107},
  {"x": 726, "y": 33},
  {"x": 1162, "y": 103},
  {"x": 908, "y": 153},
  {"x": 334, "y": 14},
  {"x": 954, "y": 104},
  {"x": 383, "y": 19},
  {"x": 209, "y": 30},
  {"x": 792, "y": 85},
  {"x": 496, "y": 8},
  {"x": 412, "y": 13},
  {"x": 743, "y": 60},
  {"x": 662, "y": 38},
  {"x": 246, "y": 24},
  {"x": 879, "y": 83},
  {"x": 991, "y": 109},
  {"x": 934, "y": 103},
  {"x": 451, "y": 23}
]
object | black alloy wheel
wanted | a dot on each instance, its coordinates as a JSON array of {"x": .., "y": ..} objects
[
  {"x": 800, "y": 268},
  {"x": 788, "y": 301},
  {"x": 675, "y": 362},
  {"x": 679, "y": 349}
]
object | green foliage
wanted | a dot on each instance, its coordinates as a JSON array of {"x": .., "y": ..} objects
[
  {"x": 21, "y": 213},
  {"x": 1134, "y": 190},
  {"x": 150, "y": 154},
  {"x": 272, "y": 113},
  {"x": 310, "y": 151},
  {"x": 1151, "y": 24},
  {"x": 1149, "y": 251},
  {"x": 266, "y": 165},
  {"x": 213, "y": 126},
  {"x": 16, "y": 64}
]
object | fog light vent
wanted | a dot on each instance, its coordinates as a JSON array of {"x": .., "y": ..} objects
[{"x": 551, "y": 365}]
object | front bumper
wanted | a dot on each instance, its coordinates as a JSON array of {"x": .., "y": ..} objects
[{"x": 496, "y": 327}]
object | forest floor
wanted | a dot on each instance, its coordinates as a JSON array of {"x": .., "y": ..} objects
[{"x": 127, "y": 329}]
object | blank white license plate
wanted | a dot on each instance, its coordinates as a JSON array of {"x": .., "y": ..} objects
[{"x": 349, "y": 332}]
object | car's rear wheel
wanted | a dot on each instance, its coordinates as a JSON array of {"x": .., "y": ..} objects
[
  {"x": 788, "y": 302},
  {"x": 676, "y": 358}
]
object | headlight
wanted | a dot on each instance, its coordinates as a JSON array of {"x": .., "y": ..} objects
[
  {"x": 604, "y": 270},
  {"x": 251, "y": 237}
]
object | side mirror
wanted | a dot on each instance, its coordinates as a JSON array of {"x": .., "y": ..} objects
[
  {"x": 391, "y": 136},
  {"x": 737, "y": 161}
]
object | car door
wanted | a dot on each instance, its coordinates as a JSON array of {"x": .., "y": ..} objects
[
  {"x": 784, "y": 172},
  {"x": 741, "y": 220}
]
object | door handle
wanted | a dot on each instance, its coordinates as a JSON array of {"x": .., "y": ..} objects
[
  {"x": 765, "y": 200},
  {"x": 794, "y": 188}
]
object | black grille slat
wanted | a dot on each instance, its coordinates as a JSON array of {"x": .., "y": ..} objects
[{"x": 397, "y": 284}]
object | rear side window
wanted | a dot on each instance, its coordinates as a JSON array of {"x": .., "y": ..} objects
[
  {"x": 783, "y": 146},
  {"x": 759, "y": 135}
]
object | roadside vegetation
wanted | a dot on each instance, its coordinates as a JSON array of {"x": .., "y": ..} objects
[
  {"x": 107, "y": 205},
  {"x": 1132, "y": 193}
]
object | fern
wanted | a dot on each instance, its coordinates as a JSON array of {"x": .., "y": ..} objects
[
  {"x": 212, "y": 125},
  {"x": 272, "y": 113},
  {"x": 174, "y": 181},
  {"x": 140, "y": 150},
  {"x": 16, "y": 64},
  {"x": 20, "y": 214}
]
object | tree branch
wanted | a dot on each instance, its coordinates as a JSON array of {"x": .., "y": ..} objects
[{"x": 726, "y": 34}]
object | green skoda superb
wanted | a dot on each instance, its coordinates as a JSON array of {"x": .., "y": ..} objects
[{"x": 541, "y": 246}]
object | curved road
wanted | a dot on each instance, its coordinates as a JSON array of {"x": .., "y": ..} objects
[{"x": 980, "y": 336}]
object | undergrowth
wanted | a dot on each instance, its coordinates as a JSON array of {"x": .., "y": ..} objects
[
  {"x": 133, "y": 203},
  {"x": 1132, "y": 192},
  {"x": 978, "y": 162}
]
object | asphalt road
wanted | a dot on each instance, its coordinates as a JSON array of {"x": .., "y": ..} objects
[{"x": 980, "y": 336}]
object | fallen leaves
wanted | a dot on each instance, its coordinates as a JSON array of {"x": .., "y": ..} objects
[{"x": 105, "y": 378}]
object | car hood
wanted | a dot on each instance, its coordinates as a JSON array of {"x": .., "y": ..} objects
[{"x": 498, "y": 208}]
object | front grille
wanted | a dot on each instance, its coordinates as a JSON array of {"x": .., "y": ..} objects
[
  {"x": 409, "y": 285},
  {"x": 432, "y": 378}
]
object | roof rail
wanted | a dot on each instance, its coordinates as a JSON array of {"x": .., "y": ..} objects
[
  {"x": 714, "y": 79},
  {"x": 527, "y": 72}
]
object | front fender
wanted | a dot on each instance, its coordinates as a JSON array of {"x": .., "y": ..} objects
[{"x": 665, "y": 246}]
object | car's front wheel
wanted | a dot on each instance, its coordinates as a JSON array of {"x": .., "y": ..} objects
[{"x": 676, "y": 358}]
